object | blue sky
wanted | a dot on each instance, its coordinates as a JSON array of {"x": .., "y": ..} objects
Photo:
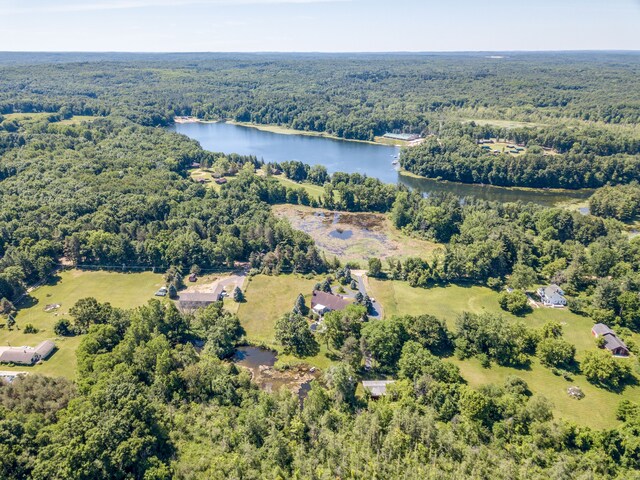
[{"x": 318, "y": 25}]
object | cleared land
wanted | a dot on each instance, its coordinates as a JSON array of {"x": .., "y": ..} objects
[
  {"x": 354, "y": 236},
  {"x": 267, "y": 299},
  {"x": 124, "y": 290},
  {"x": 314, "y": 191},
  {"x": 76, "y": 119},
  {"x": 205, "y": 174},
  {"x": 598, "y": 407}
]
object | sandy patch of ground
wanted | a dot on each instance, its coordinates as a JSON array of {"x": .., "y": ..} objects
[{"x": 210, "y": 283}]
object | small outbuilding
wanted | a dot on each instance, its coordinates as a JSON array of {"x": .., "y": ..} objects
[
  {"x": 376, "y": 388},
  {"x": 611, "y": 340}
]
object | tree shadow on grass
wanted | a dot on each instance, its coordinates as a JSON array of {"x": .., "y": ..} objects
[
  {"x": 26, "y": 302},
  {"x": 631, "y": 381}
]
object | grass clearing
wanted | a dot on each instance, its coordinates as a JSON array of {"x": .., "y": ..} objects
[
  {"x": 598, "y": 407},
  {"x": 123, "y": 290},
  {"x": 199, "y": 174},
  {"x": 314, "y": 191},
  {"x": 77, "y": 119},
  {"x": 503, "y": 123},
  {"x": 267, "y": 299}
]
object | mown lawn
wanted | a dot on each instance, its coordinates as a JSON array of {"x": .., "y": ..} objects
[
  {"x": 314, "y": 191},
  {"x": 124, "y": 290},
  {"x": 77, "y": 119},
  {"x": 598, "y": 407},
  {"x": 267, "y": 299}
]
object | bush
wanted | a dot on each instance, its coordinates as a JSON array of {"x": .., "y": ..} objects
[
  {"x": 515, "y": 302},
  {"x": 555, "y": 352},
  {"x": 62, "y": 327},
  {"x": 29, "y": 328}
]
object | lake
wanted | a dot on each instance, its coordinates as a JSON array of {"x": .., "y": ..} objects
[{"x": 351, "y": 157}]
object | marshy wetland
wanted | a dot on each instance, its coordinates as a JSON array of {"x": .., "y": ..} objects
[{"x": 353, "y": 236}]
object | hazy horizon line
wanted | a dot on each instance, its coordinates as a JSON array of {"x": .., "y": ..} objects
[{"x": 338, "y": 52}]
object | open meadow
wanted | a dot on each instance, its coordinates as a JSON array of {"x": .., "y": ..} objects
[
  {"x": 267, "y": 299},
  {"x": 596, "y": 409},
  {"x": 123, "y": 290}
]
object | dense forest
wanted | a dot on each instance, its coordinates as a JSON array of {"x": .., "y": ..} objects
[
  {"x": 350, "y": 96},
  {"x": 114, "y": 192},
  {"x": 556, "y": 157}
]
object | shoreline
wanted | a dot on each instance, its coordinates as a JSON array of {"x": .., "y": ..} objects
[
  {"x": 559, "y": 191},
  {"x": 280, "y": 130}
]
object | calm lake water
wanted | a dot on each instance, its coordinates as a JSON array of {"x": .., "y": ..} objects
[{"x": 351, "y": 157}]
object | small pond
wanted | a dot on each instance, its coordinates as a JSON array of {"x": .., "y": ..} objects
[
  {"x": 261, "y": 361},
  {"x": 341, "y": 234}
]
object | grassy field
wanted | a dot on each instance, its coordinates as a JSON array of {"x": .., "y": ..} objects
[
  {"x": 76, "y": 119},
  {"x": 503, "y": 123},
  {"x": 597, "y": 409},
  {"x": 202, "y": 173},
  {"x": 124, "y": 290},
  {"x": 314, "y": 191},
  {"x": 267, "y": 299}
]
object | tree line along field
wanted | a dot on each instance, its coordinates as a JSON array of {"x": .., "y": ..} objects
[
  {"x": 122, "y": 290},
  {"x": 269, "y": 297},
  {"x": 596, "y": 409}
]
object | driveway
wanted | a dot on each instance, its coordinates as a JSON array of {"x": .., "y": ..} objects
[{"x": 360, "y": 277}]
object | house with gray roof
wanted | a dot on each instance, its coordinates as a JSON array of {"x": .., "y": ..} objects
[
  {"x": 26, "y": 355},
  {"x": 376, "y": 388},
  {"x": 611, "y": 340},
  {"x": 190, "y": 301},
  {"x": 552, "y": 296},
  {"x": 323, "y": 302}
]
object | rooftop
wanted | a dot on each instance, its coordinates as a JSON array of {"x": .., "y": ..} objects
[
  {"x": 332, "y": 302},
  {"x": 377, "y": 388}
]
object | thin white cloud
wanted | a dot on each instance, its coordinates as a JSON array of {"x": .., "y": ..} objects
[{"x": 10, "y": 7}]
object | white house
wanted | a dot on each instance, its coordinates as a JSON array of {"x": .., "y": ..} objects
[{"x": 552, "y": 296}]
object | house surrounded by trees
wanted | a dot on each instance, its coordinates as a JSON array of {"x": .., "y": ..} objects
[{"x": 552, "y": 296}]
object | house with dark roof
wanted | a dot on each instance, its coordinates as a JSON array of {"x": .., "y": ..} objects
[
  {"x": 376, "y": 388},
  {"x": 27, "y": 355},
  {"x": 611, "y": 340},
  {"x": 323, "y": 302},
  {"x": 552, "y": 296},
  {"x": 190, "y": 301}
]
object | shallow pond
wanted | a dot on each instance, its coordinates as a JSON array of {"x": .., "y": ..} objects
[
  {"x": 341, "y": 234},
  {"x": 261, "y": 361}
]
